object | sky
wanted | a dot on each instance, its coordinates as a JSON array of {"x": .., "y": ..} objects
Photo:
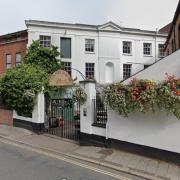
[{"x": 143, "y": 14}]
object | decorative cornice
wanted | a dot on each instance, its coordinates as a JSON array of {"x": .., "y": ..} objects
[{"x": 95, "y": 28}]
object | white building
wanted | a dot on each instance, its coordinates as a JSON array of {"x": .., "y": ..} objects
[{"x": 105, "y": 52}]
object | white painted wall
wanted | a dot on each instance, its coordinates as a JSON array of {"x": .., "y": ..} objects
[
  {"x": 108, "y": 47},
  {"x": 159, "y": 130},
  {"x": 156, "y": 72},
  {"x": 38, "y": 114},
  {"x": 154, "y": 129},
  {"x": 87, "y": 120}
]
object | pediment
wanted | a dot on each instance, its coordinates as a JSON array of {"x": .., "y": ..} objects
[{"x": 110, "y": 26}]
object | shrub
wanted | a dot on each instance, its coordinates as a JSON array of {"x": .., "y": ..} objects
[
  {"x": 46, "y": 58},
  {"x": 20, "y": 85}
]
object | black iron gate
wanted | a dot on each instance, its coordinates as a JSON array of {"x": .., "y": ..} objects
[{"x": 63, "y": 118}]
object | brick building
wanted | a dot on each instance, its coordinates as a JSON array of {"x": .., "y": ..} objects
[
  {"x": 165, "y": 29},
  {"x": 173, "y": 40},
  {"x": 12, "y": 49}
]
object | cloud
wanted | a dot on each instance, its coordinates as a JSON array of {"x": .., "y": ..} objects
[
  {"x": 131, "y": 13},
  {"x": 142, "y": 13}
]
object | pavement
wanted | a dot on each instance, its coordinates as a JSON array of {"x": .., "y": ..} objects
[{"x": 141, "y": 166}]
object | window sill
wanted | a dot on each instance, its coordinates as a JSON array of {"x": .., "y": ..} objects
[
  {"x": 148, "y": 55},
  {"x": 86, "y": 52},
  {"x": 127, "y": 54},
  {"x": 66, "y": 58}
]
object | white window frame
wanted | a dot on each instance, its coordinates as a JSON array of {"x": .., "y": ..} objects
[
  {"x": 160, "y": 50},
  {"x": 127, "y": 46},
  {"x": 90, "y": 70},
  {"x": 89, "y": 44},
  {"x": 18, "y": 62},
  {"x": 45, "y": 41},
  {"x": 127, "y": 70},
  {"x": 147, "y": 49},
  {"x": 8, "y": 61},
  {"x": 67, "y": 67}
]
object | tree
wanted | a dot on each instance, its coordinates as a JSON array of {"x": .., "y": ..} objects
[
  {"x": 46, "y": 58},
  {"x": 20, "y": 85}
]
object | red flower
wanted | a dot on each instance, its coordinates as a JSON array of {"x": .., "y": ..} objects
[{"x": 135, "y": 95}]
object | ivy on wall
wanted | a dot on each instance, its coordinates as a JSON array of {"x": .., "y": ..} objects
[{"x": 44, "y": 57}]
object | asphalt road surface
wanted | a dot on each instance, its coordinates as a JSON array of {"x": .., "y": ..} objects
[
  {"x": 23, "y": 163},
  {"x": 17, "y": 163}
]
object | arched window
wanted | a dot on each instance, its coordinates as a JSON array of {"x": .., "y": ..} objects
[{"x": 109, "y": 72}]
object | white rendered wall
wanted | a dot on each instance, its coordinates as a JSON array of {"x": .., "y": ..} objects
[
  {"x": 86, "y": 119},
  {"x": 159, "y": 130},
  {"x": 108, "y": 48},
  {"x": 38, "y": 114},
  {"x": 156, "y": 72}
]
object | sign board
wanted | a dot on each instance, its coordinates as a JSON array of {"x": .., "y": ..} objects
[{"x": 60, "y": 78}]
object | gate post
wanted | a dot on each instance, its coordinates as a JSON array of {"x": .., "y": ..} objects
[
  {"x": 87, "y": 110},
  {"x": 38, "y": 114}
]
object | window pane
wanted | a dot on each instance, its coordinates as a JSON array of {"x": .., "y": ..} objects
[
  {"x": 90, "y": 70},
  {"x": 89, "y": 45},
  {"x": 127, "y": 70},
  {"x": 161, "y": 50},
  {"x": 127, "y": 47},
  {"x": 147, "y": 48},
  {"x": 8, "y": 61},
  {"x": 66, "y": 47},
  {"x": 67, "y": 67},
  {"x": 45, "y": 41},
  {"x": 18, "y": 58}
]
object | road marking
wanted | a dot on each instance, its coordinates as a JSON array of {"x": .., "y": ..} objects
[{"x": 65, "y": 160}]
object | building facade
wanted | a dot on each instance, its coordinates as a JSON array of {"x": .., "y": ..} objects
[
  {"x": 108, "y": 53},
  {"x": 173, "y": 40},
  {"x": 12, "y": 49}
]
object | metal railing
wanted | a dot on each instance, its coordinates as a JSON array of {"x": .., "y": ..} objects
[
  {"x": 64, "y": 119},
  {"x": 100, "y": 114}
]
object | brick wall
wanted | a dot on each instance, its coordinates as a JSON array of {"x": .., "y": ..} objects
[
  {"x": 174, "y": 38},
  {"x": 12, "y": 44},
  {"x": 6, "y": 116}
]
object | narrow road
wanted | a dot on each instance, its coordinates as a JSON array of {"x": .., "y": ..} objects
[{"x": 21, "y": 164}]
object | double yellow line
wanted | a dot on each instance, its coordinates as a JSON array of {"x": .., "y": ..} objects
[{"x": 65, "y": 159}]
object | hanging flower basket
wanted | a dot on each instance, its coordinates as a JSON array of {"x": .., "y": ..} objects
[
  {"x": 79, "y": 95},
  {"x": 144, "y": 95}
]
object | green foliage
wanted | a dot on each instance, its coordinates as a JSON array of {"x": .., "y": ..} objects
[
  {"x": 46, "y": 58},
  {"x": 168, "y": 95},
  {"x": 144, "y": 96},
  {"x": 20, "y": 85},
  {"x": 79, "y": 95}
]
